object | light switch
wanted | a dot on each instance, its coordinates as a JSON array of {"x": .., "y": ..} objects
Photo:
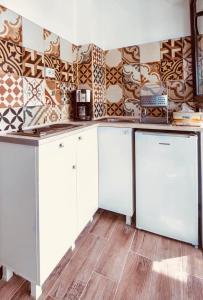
[{"x": 49, "y": 72}]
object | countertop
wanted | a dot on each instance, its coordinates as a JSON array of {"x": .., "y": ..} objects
[{"x": 123, "y": 122}]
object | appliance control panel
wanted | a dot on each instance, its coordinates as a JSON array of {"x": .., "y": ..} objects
[{"x": 154, "y": 101}]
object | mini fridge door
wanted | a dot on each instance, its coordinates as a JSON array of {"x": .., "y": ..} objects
[{"x": 167, "y": 184}]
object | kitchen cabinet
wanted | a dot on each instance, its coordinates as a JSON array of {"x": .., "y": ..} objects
[
  {"x": 87, "y": 176},
  {"x": 48, "y": 194},
  {"x": 116, "y": 192}
]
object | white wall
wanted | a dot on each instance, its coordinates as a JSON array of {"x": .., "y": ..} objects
[
  {"x": 118, "y": 23},
  {"x": 59, "y": 16},
  {"x": 108, "y": 23}
]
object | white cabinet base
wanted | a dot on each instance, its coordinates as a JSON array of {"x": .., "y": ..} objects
[
  {"x": 7, "y": 274},
  {"x": 36, "y": 291},
  {"x": 128, "y": 220}
]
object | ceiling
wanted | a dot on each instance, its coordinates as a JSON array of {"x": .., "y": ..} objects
[{"x": 108, "y": 23}]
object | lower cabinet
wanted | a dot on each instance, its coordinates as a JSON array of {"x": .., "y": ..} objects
[{"x": 48, "y": 195}]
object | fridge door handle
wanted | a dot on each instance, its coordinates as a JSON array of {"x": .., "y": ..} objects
[{"x": 165, "y": 144}]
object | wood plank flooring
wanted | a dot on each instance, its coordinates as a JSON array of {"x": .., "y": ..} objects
[{"x": 113, "y": 261}]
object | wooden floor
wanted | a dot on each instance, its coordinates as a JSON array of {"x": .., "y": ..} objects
[{"x": 113, "y": 261}]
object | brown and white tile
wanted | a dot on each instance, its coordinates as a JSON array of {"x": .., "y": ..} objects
[
  {"x": 98, "y": 93},
  {"x": 188, "y": 93},
  {"x": 172, "y": 49},
  {"x": 11, "y": 90},
  {"x": 98, "y": 74},
  {"x": 99, "y": 110},
  {"x": 32, "y": 36},
  {"x": 131, "y": 55},
  {"x": 33, "y": 91},
  {"x": 85, "y": 74},
  {"x": 115, "y": 109},
  {"x": 114, "y": 93},
  {"x": 150, "y": 73},
  {"x": 66, "y": 71},
  {"x": 131, "y": 73},
  {"x": 10, "y": 58},
  {"x": 33, "y": 63},
  {"x": 66, "y": 89},
  {"x": 113, "y": 58},
  {"x": 85, "y": 54},
  {"x": 35, "y": 115},
  {"x": 11, "y": 118},
  {"x": 50, "y": 92},
  {"x": 97, "y": 56},
  {"x": 10, "y": 26},
  {"x": 187, "y": 47},
  {"x": 131, "y": 91},
  {"x": 187, "y": 68},
  {"x": 114, "y": 75},
  {"x": 51, "y": 43},
  {"x": 53, "y": 114},
  {"x": 132, "y": 108},
  {"x": 54, "y": 63},
  {"x": 66, "y": 51},
  {"x": 150, "y": 52},
  {"x": 157, "y": 89},
  {"x": 172, "y": 70},
  {"x": 176, "y": 90}
]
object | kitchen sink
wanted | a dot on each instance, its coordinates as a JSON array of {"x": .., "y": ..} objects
[{"x": 118, "y": 120}]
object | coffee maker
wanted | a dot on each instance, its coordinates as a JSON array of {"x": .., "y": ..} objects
[{"x": 82, "y": 105}]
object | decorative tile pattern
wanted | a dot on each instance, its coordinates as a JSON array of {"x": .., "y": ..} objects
[
  {"x": 66, "y": 71},
  {"x": 53, "y": 114},
  {"x": 187, "y": 69},
  {"x": 52, "y": 43},
  {"x": 75, "y": 74},
  {"x": 131, "y": 55},
  {"x": 53, "y": 63},
  {"x": 188, "y": 93},
  {"x": 11, "y": 90},
  {"x": 34, "y": 116},
  {"x": 66, "y": 89},
  {"x": 33, "y": 63},
  {"x": 10, "y": 58},
  {"x": 131, "y": 90},
  {"x": 176, "y": 90},
  {"x": 65, "y": 112},
  {"x": 114, "y": 75},
  {"x": 98, "y": 74},
  {"x": 172, "y": 49},
  {"x": 85, "y": 74},
  {"x": 11, "y": 119},
  {"x": 58, "y": 92},
  {"x": 150, "y": 52},
  {"x": 132, "y": 108},
  {"x": 157, "y": 89},
  {"x": 97, "y": 56},
  {"x": 66, "y": 52},
  {"x": 32, "y": 36},
  {"x": 99, "y": 110},
  {"x": 75, "y": 50},
  {"x": 33, "y": 89},
  {"x": 114, "y": 93},
  {"x": 98, "y": 93},
  {"x": 115, "y": 109},
  {"x": 85, "y": 54},
  {"x": 131, "y": 73},
  {"x": 172, "y": 70},
  {"x": 150, "y": 73},
  {"x": 10, "y": 26},
  {"x": 50, "y": 92},
  {"x": 187, "y": 47},
  {"x": 113, "y": 58}
]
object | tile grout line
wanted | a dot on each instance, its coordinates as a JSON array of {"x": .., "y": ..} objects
[
  {"x": 119, "y": 281},
  {"x": 93, "y": 268}
]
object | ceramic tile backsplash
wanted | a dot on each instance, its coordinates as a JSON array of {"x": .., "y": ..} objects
[{"x": 30, "y": 96}]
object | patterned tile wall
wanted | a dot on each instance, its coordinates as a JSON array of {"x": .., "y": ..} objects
[
  {"x": 148, "y": 69},
  {"x": 29, "y": 96}
]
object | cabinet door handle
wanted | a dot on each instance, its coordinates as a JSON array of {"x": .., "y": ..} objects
[
  {"x": 79, "y": 138},
  {"x": 74, "y": 167},
  {"x": 61, "y": 145}
]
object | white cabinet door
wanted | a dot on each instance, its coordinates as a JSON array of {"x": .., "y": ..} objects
[
  {"x": 57, "y": 202},
  {"x": 116, "y": 170},
  {"x": 87, "y": 176}
]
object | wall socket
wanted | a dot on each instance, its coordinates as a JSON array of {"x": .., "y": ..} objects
[{"x": 49, "y": 72}]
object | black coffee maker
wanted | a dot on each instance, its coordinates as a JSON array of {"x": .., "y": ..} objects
[{"x": 82, "y": 105}]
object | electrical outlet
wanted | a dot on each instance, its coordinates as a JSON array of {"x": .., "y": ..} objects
[{"x": 49, "y": 72}]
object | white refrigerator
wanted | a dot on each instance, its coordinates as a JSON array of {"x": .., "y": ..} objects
[{"x": 166, "y": 169}]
